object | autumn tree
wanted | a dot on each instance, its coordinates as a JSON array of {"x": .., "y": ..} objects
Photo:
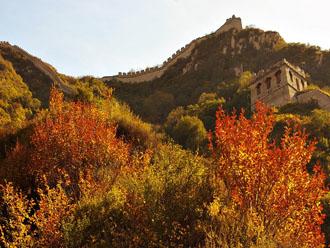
[
  {"x": 71, "y": 143},
  {"x": 271, "y": 200},
  {"x": 74, "y": 137}
]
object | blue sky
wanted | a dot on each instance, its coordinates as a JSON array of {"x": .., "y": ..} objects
[{"x": 103, "y": 37}]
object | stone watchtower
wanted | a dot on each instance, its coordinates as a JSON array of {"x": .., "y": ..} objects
[
  {"x": 231, "y": 23},
  {"x": 278, "y": 85}
]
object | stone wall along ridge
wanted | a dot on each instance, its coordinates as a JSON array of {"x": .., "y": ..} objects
[{"x": 151, "y": 73}]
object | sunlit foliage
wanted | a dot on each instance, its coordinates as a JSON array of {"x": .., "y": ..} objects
[
  {"x": 75, "y": 137},
  {"x": 88, "y": 186},
  {"x": 269, "y": 188},
  {"x": 16, "y": 102}
]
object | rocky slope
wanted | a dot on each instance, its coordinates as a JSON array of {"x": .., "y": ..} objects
[
  {"x": 214, "y": 66},
  {"x": 36, "y": 74}
]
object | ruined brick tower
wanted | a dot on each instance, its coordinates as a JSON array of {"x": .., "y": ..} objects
[
  {"x": 278, "y": 85},
  {"x": 233, "y": 22}
]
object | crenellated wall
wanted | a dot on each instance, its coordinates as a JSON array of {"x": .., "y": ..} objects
[
  {"x": 4, "y": 43},
  {"x": 322, "y": 98},
  {"x": 233, "y": 22},
  {"x": 155, "y": 72}
]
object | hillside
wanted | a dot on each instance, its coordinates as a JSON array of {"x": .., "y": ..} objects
[
  {"x": 218, "y": 71},
  {"x": 25, "y": 86},
  {"x": 215, "y": 65},
  {"x": 36, "y": 74},
  {"x": 16, "y": 101},
  {"x": 78, "y": 168}
]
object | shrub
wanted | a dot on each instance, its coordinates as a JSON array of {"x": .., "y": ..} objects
[
  {"x": 130, "y": 127},
  {"x": 160, "y": 203},
  {"x": 190, "y": 132},
  {"x": 269, "y": 189},
  {"x": 15, "y": 227},
  {"x": 75, "y": 137},
  {"x": 16, "y": 102},
  {"x": 28, "y": 223}
]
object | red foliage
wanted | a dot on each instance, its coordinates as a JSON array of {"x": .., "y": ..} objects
[
  {"x": 75, "y": 137},
  {"x": 271, "y": 179}
]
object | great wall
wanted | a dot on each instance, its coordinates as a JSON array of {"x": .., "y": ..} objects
[
  {"x": 322, "y": 98},
  {"x": 155, "y": 72},
  {"x": 290, "y": 93}
]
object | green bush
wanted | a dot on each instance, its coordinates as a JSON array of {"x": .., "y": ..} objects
[
  {"x": 129, "y": 126},
  {"x": 190, "y": 132},
  {"x": 162, "y": 204}
]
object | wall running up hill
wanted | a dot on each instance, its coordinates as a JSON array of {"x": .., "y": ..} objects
[
  {"x": 319, "y": 96},
  {"x": 156, "y": 72}
]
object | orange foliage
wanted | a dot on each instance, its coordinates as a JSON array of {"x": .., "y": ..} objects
[
  {"x": 15, "y": 230},
  {"x": 75, "y": 137},
  {"x": 54, "y": 206},
  {"x": 14, "y": 168},
  {"x": 268, "y": 179},
  {"x": 20, "y": 228}
]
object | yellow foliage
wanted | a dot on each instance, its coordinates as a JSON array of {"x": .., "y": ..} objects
[{"x": 15, "y": 228}]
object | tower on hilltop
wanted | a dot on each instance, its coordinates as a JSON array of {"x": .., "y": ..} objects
[
  {"x": 278, "y": 85},
  {"x": 231, "y": 23}
]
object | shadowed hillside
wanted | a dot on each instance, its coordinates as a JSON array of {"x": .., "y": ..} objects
[
  {"x": 38, "y": 75},
  {"x": 215, "y": 65}
]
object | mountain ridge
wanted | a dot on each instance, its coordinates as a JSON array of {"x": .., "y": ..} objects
[
  {"x": 151, "y": 73},
  {"x": 37, "y": 74},
  {"x": 219, "y": 61},
  {"x": 214, "y": 64}
]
